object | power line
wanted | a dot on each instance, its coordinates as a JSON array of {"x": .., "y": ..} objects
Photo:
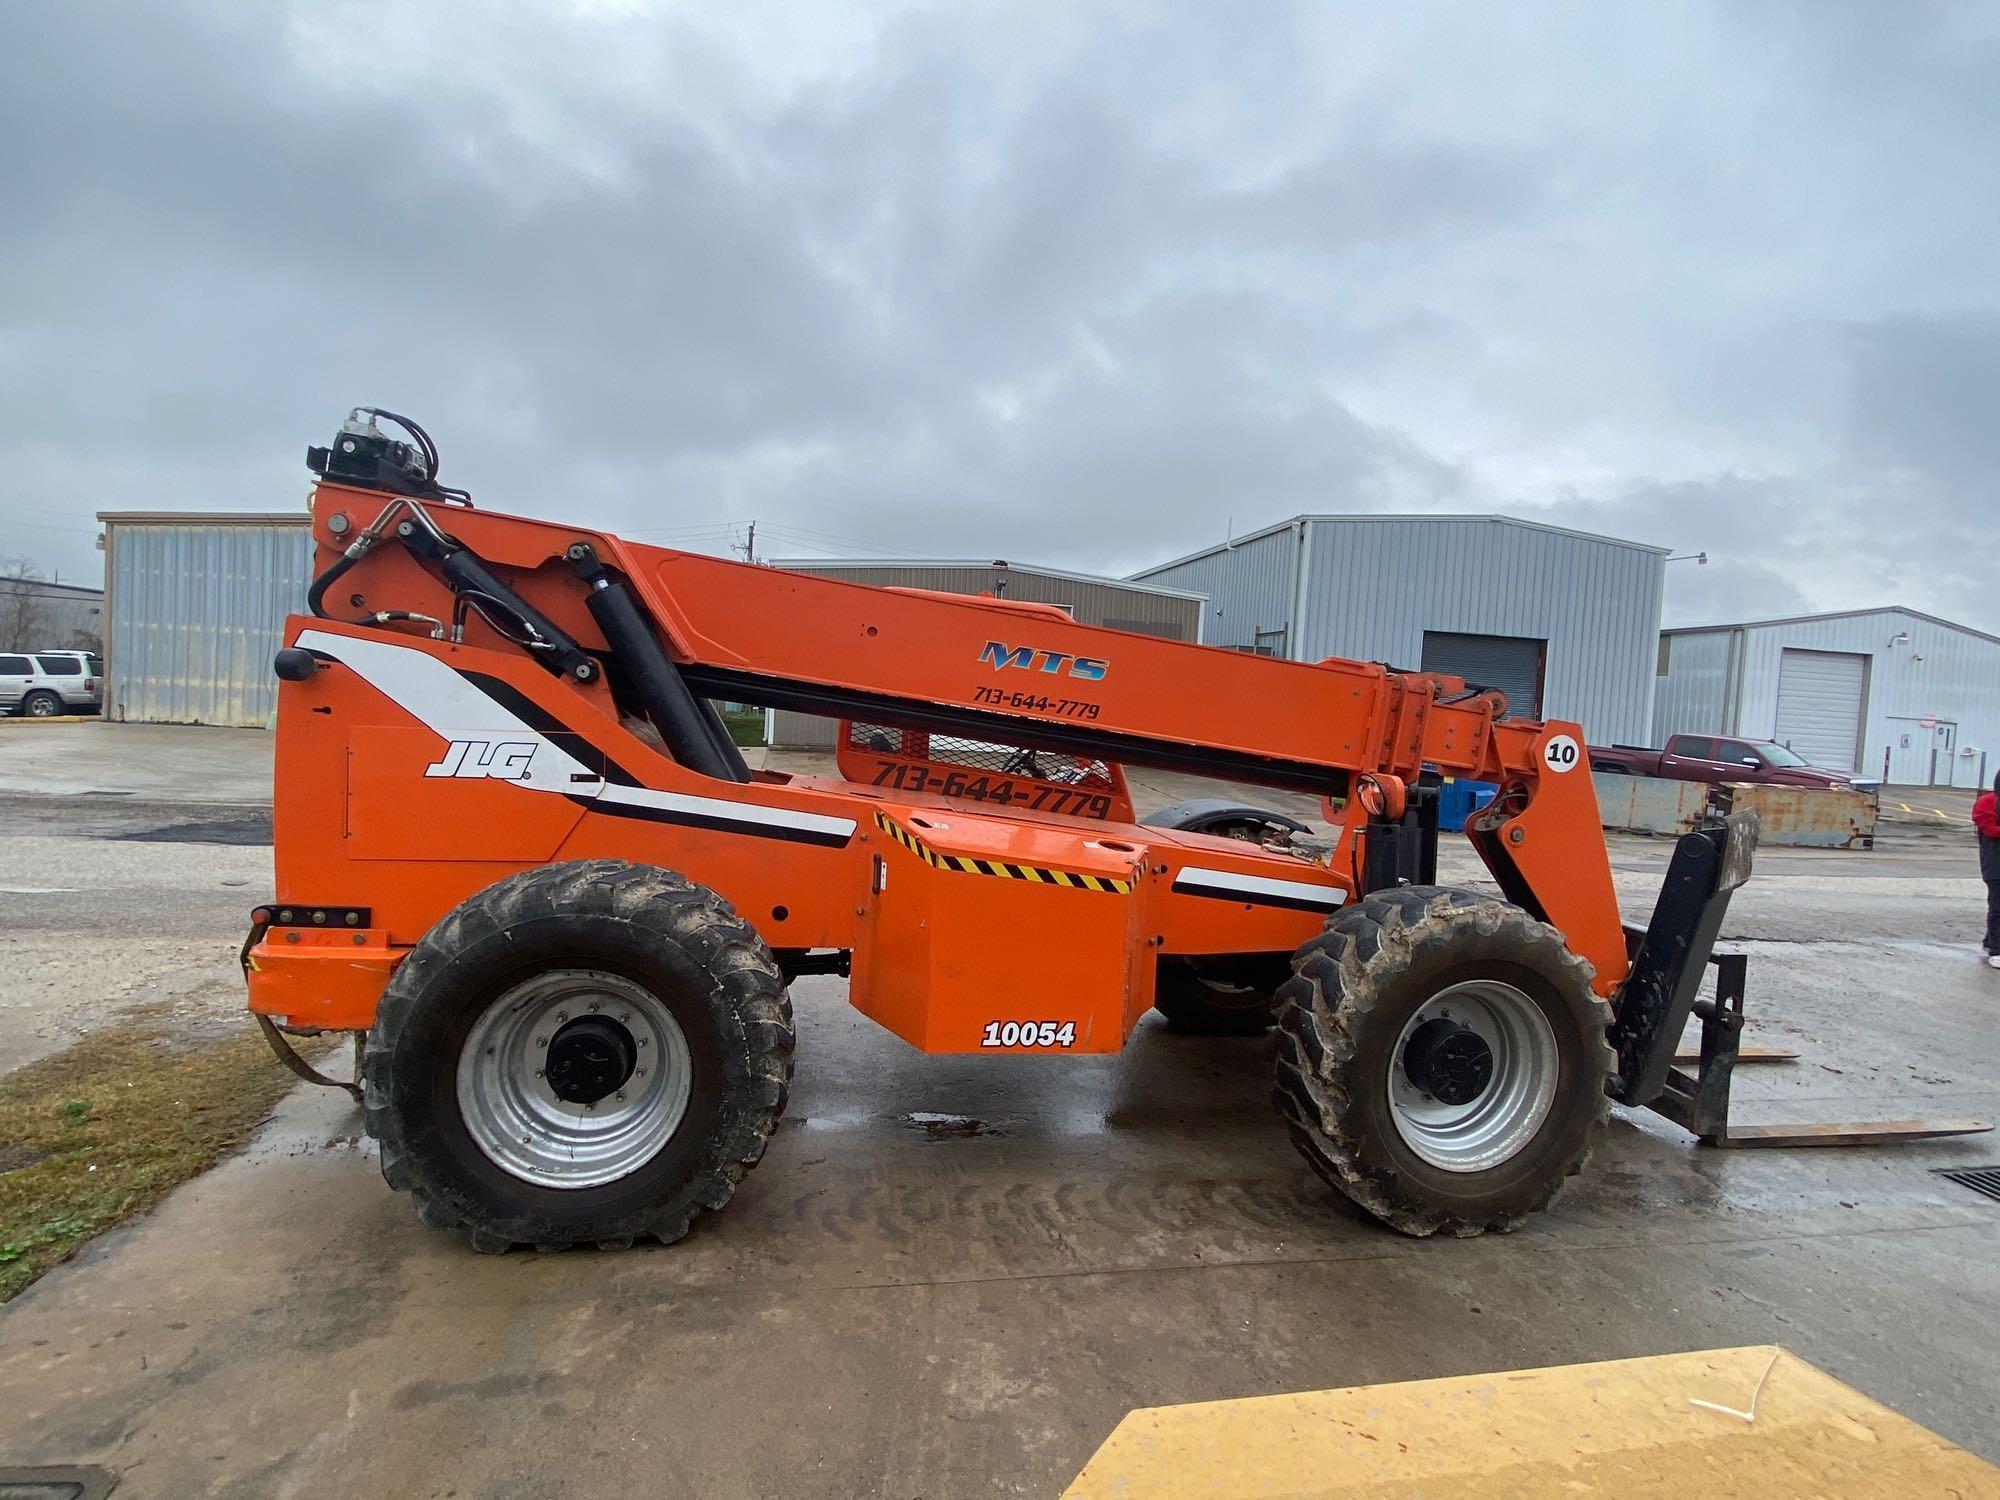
[
  {"x": 823, "y": 541},
  {"x": 740, "y": 537},
  {"x": 822, "y": 549},
  {"x": 829, "y": 536},
  {"x": 663, "y": 531},
  {"x": 14, "y": 520}
]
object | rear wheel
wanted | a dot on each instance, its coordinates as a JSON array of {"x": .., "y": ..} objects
[
  {"x": 41, "y": 705},
  {"x": 584, "y": 1053},
  {"x": 1441, "y": 1059}
]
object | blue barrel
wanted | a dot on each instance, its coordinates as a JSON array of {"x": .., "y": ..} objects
[{"x": 1458, "y": 800}]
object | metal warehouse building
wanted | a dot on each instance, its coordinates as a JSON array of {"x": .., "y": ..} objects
[
  {"x": 1565, "y": 623},
  {"x": 1150, "y": 609},
  {"x": 195, "y": 603},
  {"x": 40, "y": 615},
  {"x": 1887, "y": 692}
]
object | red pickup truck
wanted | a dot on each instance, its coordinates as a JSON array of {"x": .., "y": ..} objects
[{"x": 1711, "y": 757}]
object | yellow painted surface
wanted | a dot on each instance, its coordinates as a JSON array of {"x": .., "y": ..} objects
[{"x": 1627, "y": 1428}]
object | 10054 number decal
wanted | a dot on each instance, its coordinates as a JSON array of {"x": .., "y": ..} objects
[{"x": 1028, "y": 1034}]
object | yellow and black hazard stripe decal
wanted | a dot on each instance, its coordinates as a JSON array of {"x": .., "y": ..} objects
[{"x": 967, "y": 865}]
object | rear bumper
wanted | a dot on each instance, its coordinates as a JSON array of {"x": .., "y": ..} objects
[{"x": 330, "y": 980}]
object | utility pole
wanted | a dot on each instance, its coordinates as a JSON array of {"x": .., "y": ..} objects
[{"x": 750, "y": 544}]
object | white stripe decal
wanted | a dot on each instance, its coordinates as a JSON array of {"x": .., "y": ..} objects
[
  {"x": 715, "y": 807},
  {"x": 436, "y": 696},
  {"x": 423, "y": 687},
  {"x": 1229, "y": 882}
]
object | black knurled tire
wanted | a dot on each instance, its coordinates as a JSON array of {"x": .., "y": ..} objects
[
  {"x": 1193, "y": 1006},
  {"x": 683, "y": 942},
  {"x": 1339, "y": 1017}
]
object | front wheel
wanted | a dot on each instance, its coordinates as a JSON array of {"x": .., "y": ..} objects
[
  {"x": 585, "y": 1053},
  {"x": 1441, "y": 1060}
]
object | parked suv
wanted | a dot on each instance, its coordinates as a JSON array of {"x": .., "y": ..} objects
[{"x": 42, "y": 684}]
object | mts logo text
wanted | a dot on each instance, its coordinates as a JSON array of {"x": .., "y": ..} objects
[{"x": 1034, "y": 659}]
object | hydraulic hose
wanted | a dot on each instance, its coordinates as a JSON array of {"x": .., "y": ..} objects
[
  {"x": 316, "y": 595},
  {"x": 471, "y": 579},
  {"x": 358, "y": 549}
]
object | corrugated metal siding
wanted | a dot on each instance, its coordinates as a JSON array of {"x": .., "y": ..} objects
[
  {"x": 1374, "y": 586},
  {"x": 1957, "y": 682},
  {"x": 1693, "y": 697},
  {"x": 51, "y": 617},
  {"x": 1102, "y": 602},
  {"x": 195, "y": 617},
  {"x": 1249, "y": 586}
]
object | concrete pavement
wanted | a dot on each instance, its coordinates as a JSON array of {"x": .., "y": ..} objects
[
  {"x": 899, "y": 1306},
  {"x": 111, "y": 902},
  {"x": 891, "y": 1310},
  {"x": 170, "y": 762},
  {"x": 952, "y": 1276}
]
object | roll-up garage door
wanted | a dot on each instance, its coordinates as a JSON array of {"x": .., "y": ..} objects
[
  {"x": 1511, "y": 663},
  {"x": 1819, "y": 706}
]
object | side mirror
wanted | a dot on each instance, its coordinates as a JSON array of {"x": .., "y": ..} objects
[{"x": 1750, "y": 760}]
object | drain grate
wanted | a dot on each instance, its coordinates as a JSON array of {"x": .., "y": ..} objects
[
  {"x": 85, "y": 1482},
  {"x": 1980, "y": 1179}
]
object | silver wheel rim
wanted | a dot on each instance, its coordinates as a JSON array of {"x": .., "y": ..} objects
[
  {"x": 515, "y": 1117},
  {"x": 1499, "y": 1122},
  {"x": 41, "y": 708}
]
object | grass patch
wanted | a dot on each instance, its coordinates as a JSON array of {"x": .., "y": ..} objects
[
  {"x": 745, "y": 728},
  {"x": 102, "y": 1130}
]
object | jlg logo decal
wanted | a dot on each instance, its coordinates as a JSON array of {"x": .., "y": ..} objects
[
  {"x": 485, "y": 760},
  {"x": 1055, "y": 663}
]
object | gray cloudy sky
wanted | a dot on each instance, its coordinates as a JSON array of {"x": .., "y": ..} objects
[{"x": 1063, "y": 283}]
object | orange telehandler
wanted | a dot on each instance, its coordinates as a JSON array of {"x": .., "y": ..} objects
[{"x": 520, "y": 859}]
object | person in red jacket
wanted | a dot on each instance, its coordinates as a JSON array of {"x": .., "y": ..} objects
[{"x": 1986, "y": 818}]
